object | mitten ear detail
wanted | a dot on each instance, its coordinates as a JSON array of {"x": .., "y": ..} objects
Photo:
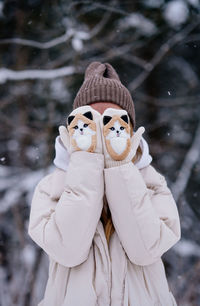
[
  {"x": 116, "y": 132},
  {"x": 106, "y": 119},
  {"x": 88, "y": 115},
  {"x": 125, "y": 118},
  {"x": 69, "y": 119}
]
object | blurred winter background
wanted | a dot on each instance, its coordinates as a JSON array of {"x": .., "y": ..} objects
[{"x": 45, "y": 47}]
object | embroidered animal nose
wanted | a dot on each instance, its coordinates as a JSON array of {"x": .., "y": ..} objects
[{"x": 81, "y": 129}]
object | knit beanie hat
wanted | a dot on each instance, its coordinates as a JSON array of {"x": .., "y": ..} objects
[{"x": 102, "y": 83}]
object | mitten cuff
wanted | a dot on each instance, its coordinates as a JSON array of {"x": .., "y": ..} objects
[{"x": 114, "y": 163}]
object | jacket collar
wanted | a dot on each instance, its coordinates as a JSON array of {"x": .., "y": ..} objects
[{"x": 62, "y": 156}]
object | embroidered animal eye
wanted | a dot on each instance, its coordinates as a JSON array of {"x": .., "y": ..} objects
[
  {"x": 76, "y": 127},
  {"x": 112, "y": 128},
  {"x": 121, "y": 128},
  {"x": 85, "y": 125}
]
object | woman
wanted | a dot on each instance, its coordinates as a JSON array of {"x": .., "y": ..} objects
[{"x": 105, "y": 216}]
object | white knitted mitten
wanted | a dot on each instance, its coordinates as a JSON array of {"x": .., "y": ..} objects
[
  {"x": 120, "y": 143},
  {"x": 83, "y": 131}
]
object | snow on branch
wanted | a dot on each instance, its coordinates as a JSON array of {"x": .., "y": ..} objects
[
  {"x": 16, "y": 182},
  {"x": 45, "y": 45},
  {"x": 77, "y": 37},
  {"x": 8, "y": 74}
]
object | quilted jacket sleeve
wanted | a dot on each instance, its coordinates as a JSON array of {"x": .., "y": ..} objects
[
  {"x": 65, "y": 228},
  {"x": 143, "y": 210}
]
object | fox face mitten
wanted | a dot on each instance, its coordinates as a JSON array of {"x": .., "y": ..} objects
[
  {"x": 120, "y": 143},
  {"x": 83, "y": 130}
]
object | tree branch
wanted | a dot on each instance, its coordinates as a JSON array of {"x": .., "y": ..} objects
[
  {"x": 45, "y": 45},
  {"x": 184, "y": 174},
  {"x": 164, "y": 49}
]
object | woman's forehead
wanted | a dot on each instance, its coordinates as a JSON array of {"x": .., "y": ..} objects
[{"x": 102, "y": 106}]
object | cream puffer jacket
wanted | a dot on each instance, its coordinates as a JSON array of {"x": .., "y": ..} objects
[{"x": 65, "y": 222}]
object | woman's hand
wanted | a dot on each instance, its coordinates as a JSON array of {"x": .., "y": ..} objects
[
  {"x": 120, "y": 143},
  {"x": 83, "y": 131}
]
